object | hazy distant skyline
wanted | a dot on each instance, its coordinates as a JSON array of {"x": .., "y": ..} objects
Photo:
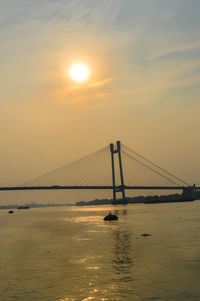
[{"x": 144, "y": 86}]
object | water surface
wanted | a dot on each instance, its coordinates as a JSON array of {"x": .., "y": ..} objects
[{"x": 71, "y": 254}]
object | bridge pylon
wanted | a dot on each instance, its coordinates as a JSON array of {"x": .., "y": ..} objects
[{"x": 120, "y": 188}]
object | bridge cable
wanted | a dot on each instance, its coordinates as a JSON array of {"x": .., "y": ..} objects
[
  {"x": 150, "y": 168},
  {"x": 155, "y": 165}
]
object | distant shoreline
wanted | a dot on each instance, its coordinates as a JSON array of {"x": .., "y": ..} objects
[
  {"x": 34, "y": 205},
  {"x": 172, "y": 198}
]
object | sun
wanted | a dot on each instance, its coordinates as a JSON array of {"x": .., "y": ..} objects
[{"x": 79, "y": 72}]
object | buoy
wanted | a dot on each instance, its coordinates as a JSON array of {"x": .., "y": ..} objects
[{"x": 110, "y": 217}]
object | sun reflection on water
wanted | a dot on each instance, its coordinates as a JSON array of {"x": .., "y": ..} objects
[
  {"x": 84, "y": 219},
  {"x": 68, "y": 299},
  {"x": 92, "y": 268},
  {"x": 88, "y": 298}
]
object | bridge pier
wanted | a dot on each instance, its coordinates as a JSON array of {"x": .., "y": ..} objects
[
  {"x": 120, "y": 188},
  {"x": 190, "y": 193}
]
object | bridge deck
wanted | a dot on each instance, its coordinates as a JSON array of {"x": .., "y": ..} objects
[{"x": 55, "y": 187}]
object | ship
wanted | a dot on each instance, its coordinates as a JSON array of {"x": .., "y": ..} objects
[{"x": 23, "y": 207}]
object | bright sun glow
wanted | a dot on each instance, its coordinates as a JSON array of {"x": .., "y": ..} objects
[{"x": 79, "y": 72}]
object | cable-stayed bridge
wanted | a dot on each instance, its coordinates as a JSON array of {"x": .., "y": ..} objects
[{"x": 115, "y": 167}]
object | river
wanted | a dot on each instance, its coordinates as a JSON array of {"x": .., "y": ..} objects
[{"x": 71, "y": 254}]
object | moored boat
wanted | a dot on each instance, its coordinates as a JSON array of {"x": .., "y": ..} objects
[{"x": 110, "y": 217}]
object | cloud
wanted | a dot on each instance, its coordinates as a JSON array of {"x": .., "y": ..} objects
[
  {"x": 176, "y": 50},
  {"x": 91, "y": 94},
  {"x": 86, "y": 12},
  {"x": 101, "y": 83},
  {"x": 133, "y": 63}
]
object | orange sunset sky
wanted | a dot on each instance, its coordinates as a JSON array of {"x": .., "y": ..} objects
[{"x": 142, "y": 88}]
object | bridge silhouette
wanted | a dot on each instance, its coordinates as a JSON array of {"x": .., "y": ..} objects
[{"x": 115, "y": 167}]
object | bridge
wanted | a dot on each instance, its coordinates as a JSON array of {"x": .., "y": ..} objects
[{"x": 100, "y": 171}]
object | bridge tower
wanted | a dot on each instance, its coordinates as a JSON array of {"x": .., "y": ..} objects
[{"x": 120, "y": 188}]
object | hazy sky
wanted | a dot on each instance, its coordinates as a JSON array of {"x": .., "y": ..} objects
[{"x": 144, "y": 57}]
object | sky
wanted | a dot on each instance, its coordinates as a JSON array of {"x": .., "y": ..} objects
[{"x": 143, "y": 89}]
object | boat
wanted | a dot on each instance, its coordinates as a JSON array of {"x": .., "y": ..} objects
[
  {"x": 10, "y": 211},
  {"x": 110, "y": 217}
]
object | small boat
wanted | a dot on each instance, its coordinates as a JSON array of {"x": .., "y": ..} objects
[
  {"x": 10, "y": 211},
  {"x": 23, "y": 207},
  {"x": 110, "y": 217},
  {"x": 145, "y": 234}
]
